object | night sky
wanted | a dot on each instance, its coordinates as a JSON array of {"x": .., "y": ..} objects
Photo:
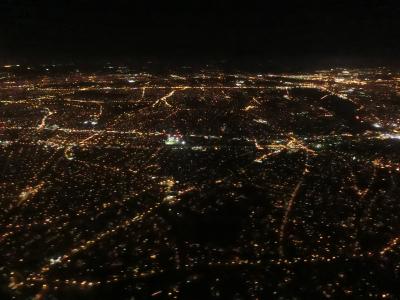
[{"x": 33, "y": 29}]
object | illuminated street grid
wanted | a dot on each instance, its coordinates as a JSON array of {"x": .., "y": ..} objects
[{"x": 199, "y": 185}]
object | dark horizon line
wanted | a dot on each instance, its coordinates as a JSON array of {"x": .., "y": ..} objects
[{"x": 250, "y": 61}]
